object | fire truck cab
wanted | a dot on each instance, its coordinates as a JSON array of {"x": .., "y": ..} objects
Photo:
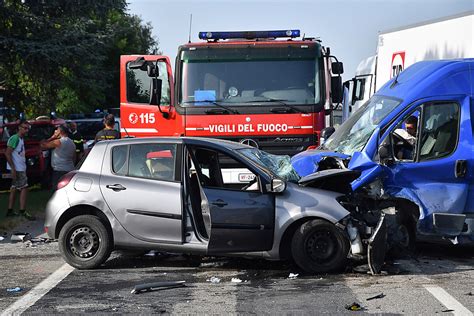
[{"x": 269, "y": 89}]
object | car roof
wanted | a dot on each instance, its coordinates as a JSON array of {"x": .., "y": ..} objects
[{"x": 209, "y": 142}]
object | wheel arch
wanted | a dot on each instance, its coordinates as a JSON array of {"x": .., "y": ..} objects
[
  {"x": 82, "y": 209},
  {"x": 285, "y": 241}
]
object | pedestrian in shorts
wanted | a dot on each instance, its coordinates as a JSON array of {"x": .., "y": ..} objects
[{"x": 16, "y": 163}]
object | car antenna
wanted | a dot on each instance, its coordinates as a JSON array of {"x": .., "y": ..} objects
[
  {"x": 126, "y": 132},
  {"x": 395, "y": 82}
]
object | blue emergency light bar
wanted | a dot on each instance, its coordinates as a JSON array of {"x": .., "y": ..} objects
[{"x": 248, "y": 34}]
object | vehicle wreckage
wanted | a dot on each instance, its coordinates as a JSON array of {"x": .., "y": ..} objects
[{"x": 397, "y": 188}]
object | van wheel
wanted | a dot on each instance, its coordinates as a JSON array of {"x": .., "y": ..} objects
[
  {"x": 319, "y": 247},
  {"x": 84, "y": 242}
]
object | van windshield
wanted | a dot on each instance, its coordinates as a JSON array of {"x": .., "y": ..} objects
[{"x": 354, "y": 133}]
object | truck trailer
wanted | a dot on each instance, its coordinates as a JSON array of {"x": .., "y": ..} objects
[{"x": 447, "y": 38}]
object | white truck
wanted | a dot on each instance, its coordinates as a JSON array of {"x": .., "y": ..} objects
[{"x": 447, "y": 38}]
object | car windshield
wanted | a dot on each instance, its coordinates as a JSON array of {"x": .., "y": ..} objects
[
  {"x": 279, "y": 166},
  {"x": 354, "y": 133},
  {"x": 241, "y": 76}
]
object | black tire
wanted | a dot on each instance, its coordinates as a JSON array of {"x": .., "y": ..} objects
[
  {"x": 319, "y": 247},
  {"x": 85, "y": 242},
  {"x": 405, "y": 235}
]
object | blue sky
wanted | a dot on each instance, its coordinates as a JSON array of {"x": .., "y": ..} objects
[{"x": 348, "y": 27}]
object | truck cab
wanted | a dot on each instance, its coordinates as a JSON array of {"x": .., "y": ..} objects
[{"x": 412, "y": 143}]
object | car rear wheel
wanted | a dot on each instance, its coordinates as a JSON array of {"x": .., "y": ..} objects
[
  {"x": 319, "y": 247},
  {"x": 84, "y": 242}
]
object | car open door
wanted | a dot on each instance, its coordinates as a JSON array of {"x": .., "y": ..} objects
[
  {"x": 143, "y": 112},
  {"x": 241, "y": 217}
]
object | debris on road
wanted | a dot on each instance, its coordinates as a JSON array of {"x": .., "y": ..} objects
[
  {"x": 470, "y": 294},
  {"x": 447, "y": 311},
  {"x": 157, "y": 286},
  {"x": 293, "y": 276},
  {"x": 2, "y": 238},
  {"x": 236, "y": 280},
  {"x": 14, "y": 289},
  {"x": 33, "y": 242},
  {"x": 354, "y": 307},
  {"x": 20, "y": 237},
  {"x": 381, "y": 295},
  {"x": 214, "y": 280}
]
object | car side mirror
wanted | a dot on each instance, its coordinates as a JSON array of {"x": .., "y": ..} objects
[
  {"x": 326, "y": 133},
  {"x": 276, "y": 186}
]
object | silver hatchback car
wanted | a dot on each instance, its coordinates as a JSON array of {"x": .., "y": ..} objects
[{"x": 197, "y": 196}]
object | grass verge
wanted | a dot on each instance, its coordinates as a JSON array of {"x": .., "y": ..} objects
[{"x": 35, "y": 204}]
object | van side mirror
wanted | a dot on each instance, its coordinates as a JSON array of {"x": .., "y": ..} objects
[
  {"x": 336, "y": 89},
  {"x": 384, "y": 154},
  {"x": 155, "y": 91}
]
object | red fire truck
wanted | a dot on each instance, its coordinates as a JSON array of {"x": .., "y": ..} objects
[{"x": 270, "y": 89}]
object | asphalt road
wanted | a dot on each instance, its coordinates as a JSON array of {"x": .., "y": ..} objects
[{"x": 416, "y": 285}]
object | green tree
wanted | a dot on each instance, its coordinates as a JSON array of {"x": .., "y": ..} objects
[{"x": 64, "y": 55}]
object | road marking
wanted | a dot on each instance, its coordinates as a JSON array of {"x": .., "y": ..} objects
[
  {"x": 38, "y": 291},
  {"x": 447, "y": 300}
]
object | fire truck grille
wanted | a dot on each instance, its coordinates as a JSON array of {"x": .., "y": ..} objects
[{"x": 282, "y": 145}]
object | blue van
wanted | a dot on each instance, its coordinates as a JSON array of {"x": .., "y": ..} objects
[{"x": 412, "y": 147}]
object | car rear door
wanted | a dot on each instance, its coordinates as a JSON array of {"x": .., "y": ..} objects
[
  {"x": 146, "y": 200},
  {"x": 242, "y": 216}
]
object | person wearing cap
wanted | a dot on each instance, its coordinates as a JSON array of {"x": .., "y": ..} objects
[
  {"x": 64, "y": 153},
  {"x": 108, "y": 132},
  {"x": 16, "y": 163}
]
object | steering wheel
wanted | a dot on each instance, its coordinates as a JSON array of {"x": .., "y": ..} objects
[{"x": 248, "y": 185}]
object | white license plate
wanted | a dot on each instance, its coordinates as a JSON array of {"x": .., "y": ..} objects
[
  {"x": 246, "y": 177},
  {"x": 6, "y": 175}
]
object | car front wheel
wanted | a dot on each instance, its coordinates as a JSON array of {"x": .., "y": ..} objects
[
  {"x": 84, "y": 242},
  {"x": 319, "y": 247}
]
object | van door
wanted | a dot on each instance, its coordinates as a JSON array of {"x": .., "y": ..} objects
[
  {"x": 139, "y": 118},
  {"x": 431, "y": 163}
]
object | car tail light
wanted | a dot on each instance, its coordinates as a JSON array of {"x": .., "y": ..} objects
[{"x": 65, "y": 179}]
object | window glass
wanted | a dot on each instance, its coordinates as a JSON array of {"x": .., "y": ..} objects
[
  {"x": 439, "y": 130},
  {"x": 119, "y": 159},
  {"x": 222, "y": 171},
  {"x": 405, "y": 136},
  {"x": 138, "y": 85},
  {"x": 153, "y": 161}
]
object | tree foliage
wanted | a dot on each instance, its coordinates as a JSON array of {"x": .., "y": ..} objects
[{"x": 64, "y": 55}]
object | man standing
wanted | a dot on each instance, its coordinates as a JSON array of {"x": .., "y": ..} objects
[
  {"x": 77, "y": 139},
  {"x": 109, "y": 132},
  {"x": 16, "y": 163},
  {"x": 64, "y": 153}
]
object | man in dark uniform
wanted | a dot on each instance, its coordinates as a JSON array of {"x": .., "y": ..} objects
[
  {"x": 77, "y": 139},
  {"x": 109, "y": 132}
]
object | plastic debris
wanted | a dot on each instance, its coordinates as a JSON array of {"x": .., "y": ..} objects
[
  {"x": 14, "y": 289},
  {"x": 293, "y": 276},
  {"x": 236, "y": 280},
  {"x": 157, "y": 286},
  {"x": 470, "y": 294},
  {"x": 447, "y": 311},
  {"x": 354, "y": 307},
  {"x": 381, "y": 295},
  {"x": 20, "y": 237},
  {"x": 214, "y": 280},
  {"x": 2, "y": 238}
]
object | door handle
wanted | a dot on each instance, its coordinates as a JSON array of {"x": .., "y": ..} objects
[
  {"x": 460, "y": 169},
  {"x": 116, "y": 187},
  {"x": 219, "y": 203}
]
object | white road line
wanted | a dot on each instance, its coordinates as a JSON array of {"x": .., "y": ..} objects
[
  {"x": 38, "y": 291},
  {"x": 447, "y": 300}
]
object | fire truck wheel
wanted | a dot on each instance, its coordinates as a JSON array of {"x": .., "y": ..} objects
[
  {"x": 84, "y": 242},
  {"x": 319, "y": 247}
]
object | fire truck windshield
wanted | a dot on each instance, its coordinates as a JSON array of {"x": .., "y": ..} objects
[{"x": 249, "y": 77}]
